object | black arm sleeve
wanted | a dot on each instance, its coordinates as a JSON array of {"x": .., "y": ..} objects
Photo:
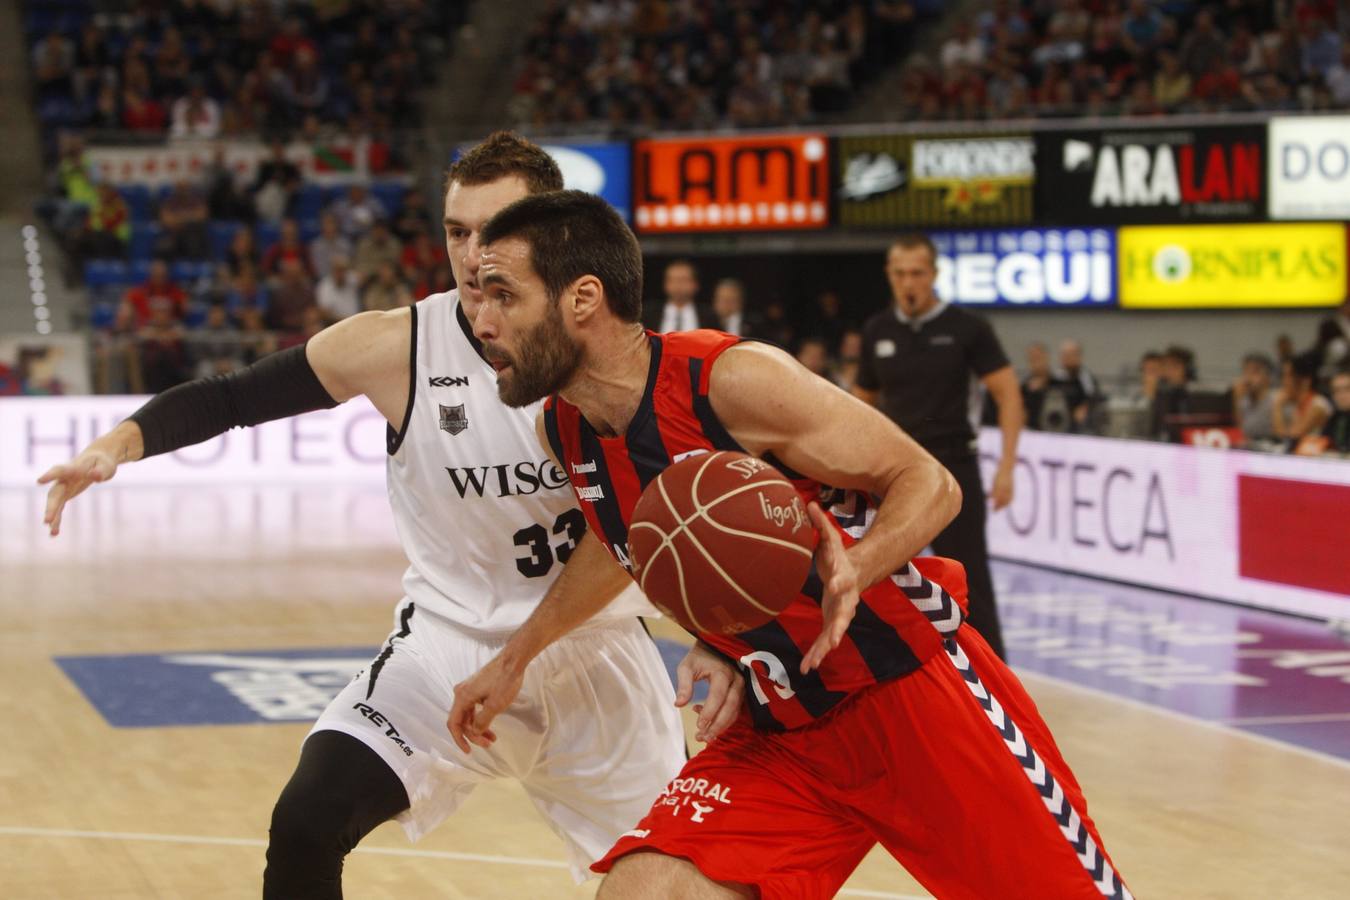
[{"x": 275, "y": 387}]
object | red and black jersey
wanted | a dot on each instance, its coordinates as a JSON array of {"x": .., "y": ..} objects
[{"x": 893, "y": 631}]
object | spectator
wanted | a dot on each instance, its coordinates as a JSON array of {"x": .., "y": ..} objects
[
  {"x": 1338, "y": 78},
  {"x": 1150, "y": 376},
  {"x": 247, "y": 296},
  {"x": 1037, "y": 382},
  {"x": 377, "y": 248},
  {"x": 422, "y": 255},
  {"x": 1337, "y": 428},
  {"x": 75, "y": 182},
  {"x": 159, "y": 360},
  {"x": 1172, "y": 84},
  {"x": 224, "y": 199},
  {"x": 196, "y": 115},
  {"x": 1141, "y": 28},
  {"x": 108, "y": 227},
  {"x": 1321, "y": 48},
  {"x": 963, "y": 48},
  {"x": 158, "y": 300},
  {"x": 728, "y": 304},
  {"x": 413, "y": 218},
  {"x": 183, "y": 215},
  {"x": 339, "y": 291},
  {"x": 1333, "y": 339},
  {"x": 680, "y": 311},
  {"x": 1171, "y": 398},
  {"x": 275, "y": 184},
  {"x": 1284, "y": 348},
  {"x": 329, "y": 244},
  {"x": 1082, "y": 390},
  {"x": 291, "y": 297},
  {"x": 439, "y": 280},
  {"x": 288, "y": 248},
  {"x": 215, "y": 346},
  {"x": 815, "y": 356},
  {"x": 358, "y": 211},
  {"x": 1298, "y": 409},
  {"x": 850, "y": 357},
  {"x": 243, "y": 251},
  {"x": 306, "y": 89},
  {"x": 140, "y": 110},
  {"x": 828, "y": 322},
  {"x": 1253, "y": 399},
  {"x": 1203, "y": 48},
  {"x": 386, "y": 290},
  {"x": 54, "y": 65}
]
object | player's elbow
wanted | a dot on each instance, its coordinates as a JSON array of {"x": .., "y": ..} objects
[{"x": 948, "y": 493}]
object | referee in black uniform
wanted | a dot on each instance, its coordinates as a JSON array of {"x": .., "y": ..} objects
[{"x": 920, "y": 360}]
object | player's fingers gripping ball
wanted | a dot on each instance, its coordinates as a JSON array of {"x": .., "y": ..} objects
[{"x": 721, "y": 542}]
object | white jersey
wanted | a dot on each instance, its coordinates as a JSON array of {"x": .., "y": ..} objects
[{"x": 486, "y": 518}]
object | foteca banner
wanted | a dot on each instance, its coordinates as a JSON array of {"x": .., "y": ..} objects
[
  {"x": 902, "y": 181},
  {"x": 1151, "y": 175}
]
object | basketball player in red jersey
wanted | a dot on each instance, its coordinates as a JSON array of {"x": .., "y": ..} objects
[{"x": 874, "y": 714}]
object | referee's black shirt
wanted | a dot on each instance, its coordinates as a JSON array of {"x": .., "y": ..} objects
[{"x": 923, "y": 369}]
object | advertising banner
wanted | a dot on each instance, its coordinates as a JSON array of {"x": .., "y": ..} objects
[
  {"x": 345, "y": 445},
  {"x": 1028, "y": 267},
  {"x": 601, "y": 169},
  {"x": 331, "y": 163},
  {"x": 1151, "y": 175},
  {"x": 900, "y": 181},
  {"x": 1232, "y": 266},
  {"x": 776, "y": 182},
  {"x": 1254, "y": 528},
  {"x": 1310, "y": 167}
]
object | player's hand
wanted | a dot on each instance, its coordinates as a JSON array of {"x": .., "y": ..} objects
[
  {"x": 726, "y": 690},
  {"x": 70, "y": 479},
  {"x": 840, "y": 578},
  {"x": 479, "y": 699},
  {"x": 1002, "y": 493}
]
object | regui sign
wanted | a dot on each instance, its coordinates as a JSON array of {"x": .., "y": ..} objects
[
  {"x": 1310, "y": 168},
  {"x": 1150, "y": 175},
  {"x": 1229, "y": 266},
  {"x": 759, "y": 183},
  {"x": 1031, "y": 267},
  {"x": 1157, "y": 515},
  {"x": 888, "y": 181}
]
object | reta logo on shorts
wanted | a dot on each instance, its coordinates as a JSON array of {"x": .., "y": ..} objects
[
  {"x": 782, "y": 516},
  {"x": 377, "y": 719}
]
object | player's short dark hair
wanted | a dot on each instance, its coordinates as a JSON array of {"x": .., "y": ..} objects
[
  {"x": 572, "y": 234},
  {"x": 912, "y": 239},
  {"x": 501, "y": 155}
]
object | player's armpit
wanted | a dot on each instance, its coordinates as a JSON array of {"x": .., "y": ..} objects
[{"x": 770, "y": 403}]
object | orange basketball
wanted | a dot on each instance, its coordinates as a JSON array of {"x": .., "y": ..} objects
[{"x": 721, "y": 542}]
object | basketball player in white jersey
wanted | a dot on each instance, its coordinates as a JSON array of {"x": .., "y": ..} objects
[{"x": 487, "y": 522}]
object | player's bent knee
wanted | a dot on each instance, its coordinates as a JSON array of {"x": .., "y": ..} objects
[{"x": 649, "y": 876}]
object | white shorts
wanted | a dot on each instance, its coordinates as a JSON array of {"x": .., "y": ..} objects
[{"x": 594, "y": 736}]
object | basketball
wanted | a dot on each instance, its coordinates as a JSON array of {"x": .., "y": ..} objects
[{"x": 721, "y": 542}]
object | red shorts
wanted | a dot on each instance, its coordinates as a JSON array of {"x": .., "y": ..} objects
[{"x": 950, "y": 768}]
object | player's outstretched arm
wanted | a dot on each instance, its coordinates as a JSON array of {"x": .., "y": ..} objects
[
  {"x": 365, "y": 354},
  {"x": 771, "y": 404}
]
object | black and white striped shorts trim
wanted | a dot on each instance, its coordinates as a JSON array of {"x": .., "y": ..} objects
[{"x": 1070, "y": 825}]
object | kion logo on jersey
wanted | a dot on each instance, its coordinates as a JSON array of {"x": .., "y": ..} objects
[{"x": 506, "y": 479}]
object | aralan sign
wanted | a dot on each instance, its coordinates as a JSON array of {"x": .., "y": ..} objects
[{"x": 763, "y": 183}]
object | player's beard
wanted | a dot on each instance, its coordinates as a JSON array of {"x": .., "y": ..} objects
[{"x": 546, "y": 360}]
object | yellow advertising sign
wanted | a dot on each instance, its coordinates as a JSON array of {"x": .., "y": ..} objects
[{"x": 1228, "y": 266}]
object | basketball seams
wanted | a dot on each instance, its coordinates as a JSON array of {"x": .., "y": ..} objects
[{"x": 679, "y": 566}]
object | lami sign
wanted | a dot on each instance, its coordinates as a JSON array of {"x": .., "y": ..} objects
[
  {"x": 1149, "y": 175},
  {"x": 1028, "y": 267}
]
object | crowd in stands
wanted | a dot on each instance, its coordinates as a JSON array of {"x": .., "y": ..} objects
[
  {"x": 218, "y": 68},
  {"x": 1044, "y": 58},
  {"x": 633, "y": 66}
]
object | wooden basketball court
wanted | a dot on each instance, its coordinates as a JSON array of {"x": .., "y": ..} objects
[{"x": 89, "y": 810}]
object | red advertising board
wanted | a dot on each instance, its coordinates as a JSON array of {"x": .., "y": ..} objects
[{"x": 776, "y": 182}]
